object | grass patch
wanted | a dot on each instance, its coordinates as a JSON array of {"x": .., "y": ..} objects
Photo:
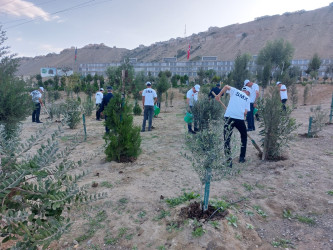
[
  {"x": 162, "y": 215},
  {"x": 106, "y": 184},
  {"x": 248, "y": 187},
  {"x": 172, "y": 202},
  {"x": 260, "y": 211},
  {"x": 330, "y": 192},
  {"x": 283, "y": 243},
  {"x": 305, "y": 220},
  {"x": 232, "y": 220}
]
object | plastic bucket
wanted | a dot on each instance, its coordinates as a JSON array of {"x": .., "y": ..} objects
[
  {"x": 188, "y": 117},
  {"x": 255, "y": 110},
  {"x": 156, "y": 110}
]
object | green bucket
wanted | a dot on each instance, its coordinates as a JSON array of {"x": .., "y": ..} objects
[
  {"x": 188, "y": 117},
  {"x": 255, "y": 110},
  {"x": 156, "y": 110}
]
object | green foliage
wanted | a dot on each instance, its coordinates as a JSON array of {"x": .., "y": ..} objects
[
  {"x": 72, "y": 115},
  {"x": 137, "y": 110},
  {"x": 205, "y": 111},
  {"x": 36, "y": 190},
  {"x": 283, "y": 243},
  {"x": 276, "y": 125},
  {"x": 330, "y": 192},
  {"x": 55, "y": 110},
  {"x": 162, "y": 86},
  {"x": 274, "y": 59},
  {"x": 88, "y": 106},
  {"x": 306, "y": 93},
  {"x": 318, "y": 121},
  {"x": 232, "y": 220},
  {"x": 172, "y": 202},
  {"x": 314, "y": 66},
  {"x": 220, "y": 204},
  {"x": 124, "y": 140},
  {"x": 240, "y": 72},
  {"x": 198, "y": 232},
  {"x": 15, "y": 103},
  {"x": 260, "y": 211},
  {"x": 162, "y": 215}
]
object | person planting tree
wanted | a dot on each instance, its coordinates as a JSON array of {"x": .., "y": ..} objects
[{"x": 238, "y": 106}]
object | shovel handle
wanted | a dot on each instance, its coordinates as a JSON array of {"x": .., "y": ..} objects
[{"x": 219, "y": 100}]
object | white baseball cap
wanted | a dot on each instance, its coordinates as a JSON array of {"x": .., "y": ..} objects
[
  {"x": 278, "y": 83},
  {"x": 42, "y": 89},
  {"x": 246, "y": 82},
  {"x": 197, "y": 87},
  {"x": 101, "y": 89},
  {"x": 148, "y": 83},
  {"x": 246, "y": 88}
]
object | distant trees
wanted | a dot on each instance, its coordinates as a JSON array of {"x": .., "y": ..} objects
[
  {"x": 314, "y": 66},
  {"x": 273, "y": 60},
  {"x": 240, "y": 72}
]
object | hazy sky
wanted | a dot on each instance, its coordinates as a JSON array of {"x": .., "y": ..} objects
[{"x": 40, "y": 27}]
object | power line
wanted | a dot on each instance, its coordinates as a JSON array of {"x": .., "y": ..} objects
[{"x": 78, "y": 6}]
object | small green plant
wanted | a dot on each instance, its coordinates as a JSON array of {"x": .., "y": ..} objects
[
  {"x": 305, "y": 220},
  {"x": 88, "y": 107},
  {"x": 249, "y": 226},
  {"x": 238, "y": 236},
  {"x": 306, "y": 93},
  {"x": 283, "y": 243},
  {"x": 260, "y": 211},
  {"x": 318, "y": 121},
  {"x": 248, "y": 187},
  {"x": 215, "y": 224},
  {"x": 109, "y": 240},
  {"x": 287, "y": 214},
  {"x": 198, "y": 232},
  {"x": 106, "y": 184},
  {"x": 248, "y": 212},
  {"x": 232, "y": 220},
  {"x": 72, "y": 115},
  {"x": 172, "y": 202},
  {"x": 222, "y": 204},
  {"x": 137, "y": 109},
  {"x": 162, "y": 215},
  {"x": 330, "y": 192},
  {"x": 161, "y": 247},
  {"x": 173, "y": 226},
  {"x": 141, "y": 214}
]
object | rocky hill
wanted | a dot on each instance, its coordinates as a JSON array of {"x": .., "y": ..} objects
[{"x": 309, "y": 32}]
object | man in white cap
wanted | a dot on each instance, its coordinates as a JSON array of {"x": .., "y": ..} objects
[
  {"x": 149, "y": 98},
  {"x": 283, "y": 94},
  {"x": 37, "y": 100},
  {"x": 238, "y": 106},
  {"x": 192, "y": 98},
  {"x": 99, "y": 99}
]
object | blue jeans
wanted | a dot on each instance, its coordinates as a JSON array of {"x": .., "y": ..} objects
[
  {"x": 36, "y": 113},
  {"x": 250, "y": 118},
  {"x": 147, "y": 115}
]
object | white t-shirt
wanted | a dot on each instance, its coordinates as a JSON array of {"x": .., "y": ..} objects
[
  {"x": 99, "y": 97},
  {"x": 36, "y": 95},
  {"x": 149, "y": 95},
  {"x": 253, "y": 95},
  {"x": 238, "y": 103},
  {"x": 193, "y": 97},
  {"x": 283, "y": 94}
]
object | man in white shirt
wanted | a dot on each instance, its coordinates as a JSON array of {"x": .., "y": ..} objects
[
  {"x": 99, "y": 98},
  {"x": 37, "y": 100},
  {"x": 149, "y": 98},
  {"x": 283, "y": 94},
  {"x": 238, "y": 106},
  {"x": 254, "y": 94},
  {"x": 192, "y": 98}
]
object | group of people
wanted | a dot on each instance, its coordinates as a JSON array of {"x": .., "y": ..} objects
[{"x": 241, "y": 105}]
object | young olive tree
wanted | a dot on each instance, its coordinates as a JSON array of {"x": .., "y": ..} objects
[
  {"x": 276, "y": 125},
  {"x": 206, "y": 148}
]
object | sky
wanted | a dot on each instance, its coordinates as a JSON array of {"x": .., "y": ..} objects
[{"x": 41, "y": 27}]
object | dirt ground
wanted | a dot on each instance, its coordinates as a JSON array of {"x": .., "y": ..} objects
[{"x": 283, "y": 204}]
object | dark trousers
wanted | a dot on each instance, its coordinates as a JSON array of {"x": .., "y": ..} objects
[
  {"x": 98, "y": 112},
  {"x": 284, "y": 104},
  {"x": 147, "y": 115},
  {"x": 36, "y": 113},
  {"x": 189, "y": 125},
  {"x": 250, "y": 118},
  {"x": 229, "y": 125},
  {"x": 107, "y": 130}
]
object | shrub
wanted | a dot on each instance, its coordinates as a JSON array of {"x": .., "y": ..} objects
[
  {"x": 123, "y": 141},
  {"x": 36, "y": 191},
  {"x": 137, "y": 109},
  {"x": 306, "y": 93},
  {"x": 88, "y": 106},
  {"x": 276, "y": 125},
  {"x": 318, "y": 121},
  {"x": 205, "y": 110},
  {"x": 293, "y": 95},
  {"x": 72, "y": 115}
]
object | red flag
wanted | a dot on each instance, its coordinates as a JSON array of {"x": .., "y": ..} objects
[
  {"x": 188, "y": 51},
  {"x": 75, "y": 53}
]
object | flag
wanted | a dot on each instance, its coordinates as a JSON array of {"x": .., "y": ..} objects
[
  {"x": 75, "y": 53},
  {"x": 188, "y": 51}
]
